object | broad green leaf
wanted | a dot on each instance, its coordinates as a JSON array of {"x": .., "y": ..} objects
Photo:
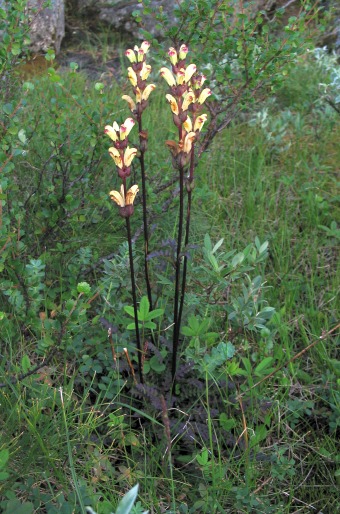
[
  {"x": 263, "y": 366},
  {"x": 127, "y": 502},
  {"x": 144, "y": 308}
]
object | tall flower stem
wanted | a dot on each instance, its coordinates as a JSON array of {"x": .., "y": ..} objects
[
  {"x": 145, "y": 217},
  {"x": 178, "y": 275},
  {"x": 134, "y": 299},
  {"x": 186, "y": 240}
]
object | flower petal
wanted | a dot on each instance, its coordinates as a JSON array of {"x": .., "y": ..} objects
[
  {"x": 129, "y": 155},
  {"x": 140, "y": 55},
  {"x": 187, "y": 125},
  {"x": 189, "y": 72},
  {"x": 132, "y": 77},
  {"x": 173, "y": 104},
  {"x": 130, "y": 54},
  {"x": 172, "y": 55},
  {"x": 188, "y": 141},
  {"x": 131, "y": 195},
  {"x": 145, "y": 71},
  {"x": 180, "y": 76},
  {"x": 183, "y": 51},
  {"x": 138, "y": 95},
  {"x": 130, "y": 102},
  {"x": 147, "y": 91},
  {"x": 200, "y": 122},
  {"x": 115, "y": 154},
  {"x": 125, "y": 128},
  {"x": 117, "y": 197},
  {"x": 111, "y": 131},
  {"x": 167, "y": 76},
  {"x": 145, "y": 46},
  {"x": 204, "y": 95},
  {"x": 189, "y": 98}
]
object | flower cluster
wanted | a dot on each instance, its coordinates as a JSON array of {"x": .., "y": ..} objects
[
  {"x": 138, "y": 73},
  {"x": 186, "y": 95},
  {"x": 122, "y": 155}
]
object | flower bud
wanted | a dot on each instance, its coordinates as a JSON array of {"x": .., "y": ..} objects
[
  {"x": 172, "y": 55},
  {"x": 183, "y": 51},
  {"x": 130, "y": 54}
]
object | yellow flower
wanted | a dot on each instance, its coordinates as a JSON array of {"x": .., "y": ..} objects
[
  {"x": 180, "y": 76},
  {"x": 147, "y": 91},
  {"x": 113, "y": 131},
  {"x": 188, "y": 99},
  {"x": 132, "y": 76},
  {"x": 115, "y": 154},
  {"x": 138, "y": 95},
  {"x": 145, "y": 71},
  {"x": 120, "y": 198},
  {"x": 130, "y": 102},
  {"x": 129, "y": 155},
  {"x": 173, "y": 104},
  {"x": 145, "y": 46},
  {"x": 200, "y": 122},
  {"x": 172, "y": 55},
  {"x": 188, "y": 141},
  {"x": 140, "y": 53},
  {"x": 204, "y": 95},
  {"x": 130, "y": 54},
  {"x": 189, "y": 72},
  {"x": 168, "y": 76},
  {"x": 125, "y": 128},
  {"x": 187, "y": 125},
  {"x": 183, "y": 51}
]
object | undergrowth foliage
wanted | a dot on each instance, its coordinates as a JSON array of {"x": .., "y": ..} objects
[{"x": 138, "y": 342}]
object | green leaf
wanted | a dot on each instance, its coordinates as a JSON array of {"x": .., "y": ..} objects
[
  {"x": 25, "y": 363},
  {"x": 127, "y": 502},
  {"x": 262, "y": 367},
  {"x": 129, "y": 310},
  {"x": 144, "y": 308},
  {"x": 155, "y": 314},
  {"x": 4, "y": 456}
]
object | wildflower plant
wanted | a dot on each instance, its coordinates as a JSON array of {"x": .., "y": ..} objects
[{"x": 186, "y": 98}]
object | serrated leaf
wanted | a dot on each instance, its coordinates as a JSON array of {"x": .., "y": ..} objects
[
  {"x": 154, "y": 314},
  {"x": 129, "y": 310},
  {"x": 263, "y": 365},
  {"x": 25, "y": 366}
]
